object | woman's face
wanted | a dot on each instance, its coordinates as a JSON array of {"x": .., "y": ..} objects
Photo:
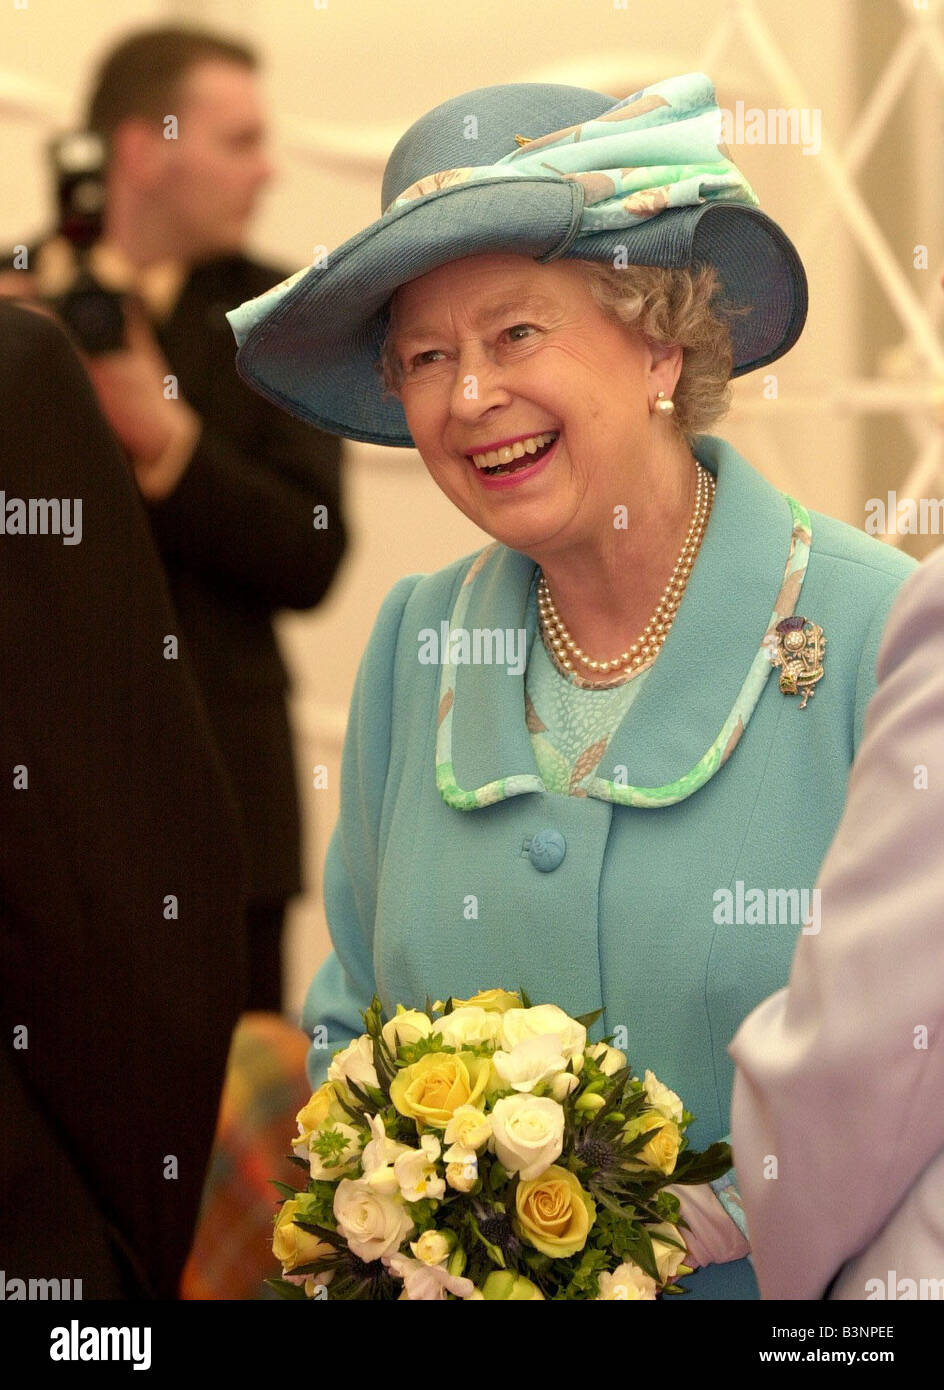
[{"x": 497, "y": 349}]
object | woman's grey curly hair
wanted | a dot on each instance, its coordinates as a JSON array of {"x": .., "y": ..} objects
[{"x": 668, "y": 306}]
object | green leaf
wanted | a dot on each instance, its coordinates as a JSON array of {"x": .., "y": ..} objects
[
  {"x": 286, "y": 1290},
  {"x": 587, "y": 1019},
  {"x": 639, "y": 1248},
  {"x": 694, "y": 1167}
]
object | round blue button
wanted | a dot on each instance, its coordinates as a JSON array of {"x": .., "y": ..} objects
[{"x": 547, "y": 851}]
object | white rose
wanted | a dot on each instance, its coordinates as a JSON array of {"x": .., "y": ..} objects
[
  {"x": 534, "y": 1023},
  {"x": 355, "y": 1063},
  {"x": 416, "y": 1171},
  {"x": 530, "y": 1062},
  {"x": 469, "y": 1127},
  {"x": 372, "y": 1223},
  {"x": 628, "y": 1282},
  {"x": 608, "y": 1059},
  {"x": 406, "y": 1026},
  {"x": 469, "y": 1026},
  {"x": 528, "y": 1133},
  {"x": 662, "y": 1099},
  {"x": 563, "y": 1084},
  {"x": 668, "y": 1257}
]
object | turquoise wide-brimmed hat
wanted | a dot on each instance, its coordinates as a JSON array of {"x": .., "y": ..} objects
[{"x": 538, "y": 170}]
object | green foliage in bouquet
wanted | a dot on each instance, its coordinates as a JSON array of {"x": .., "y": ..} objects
[{"x": 483, "y": 1149}]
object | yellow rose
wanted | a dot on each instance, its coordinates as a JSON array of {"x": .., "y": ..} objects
[
  {"x": 435, "y": 1086},
  {"x": 662, "y": 1150},
  {"x": 555, "y": 1213},
  {"x": 323, "y": 1106},
  {"x": 493, "y": 1000},
  {"x": 292, "y": 1246}
]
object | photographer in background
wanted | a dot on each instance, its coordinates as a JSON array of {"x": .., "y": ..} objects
[{"x": 244, "y": 501}]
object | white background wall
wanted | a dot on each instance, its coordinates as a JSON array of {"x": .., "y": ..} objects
[{"x": 344, "y": 79}]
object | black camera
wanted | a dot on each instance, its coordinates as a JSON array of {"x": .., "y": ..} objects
[{"x": 94, "y": 314}]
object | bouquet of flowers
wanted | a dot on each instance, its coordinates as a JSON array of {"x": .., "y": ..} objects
[{"x": 483, "y": 1150}]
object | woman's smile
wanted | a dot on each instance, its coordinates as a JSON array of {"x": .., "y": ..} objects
[{"x": 512, "y": 464}]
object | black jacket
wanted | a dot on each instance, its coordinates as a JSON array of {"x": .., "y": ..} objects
[
  {"x": 238, "y": 539},
  {"x": 107, "y": 1114}
]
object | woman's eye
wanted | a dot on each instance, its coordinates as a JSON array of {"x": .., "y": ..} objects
[
  {"x": 524, "y": 328},
  {"x": 422, "y": 358}
]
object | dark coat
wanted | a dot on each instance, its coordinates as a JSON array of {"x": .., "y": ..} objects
[
  {"x": 238, "y": 539},
  {"x": 128, "y": 1012}
]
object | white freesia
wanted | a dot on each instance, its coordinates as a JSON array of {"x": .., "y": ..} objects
[
  {"x": 406, "y": 1026},
  {"x": 355, "y": 1063},
  {"x": 379, "y": 1156},
  {"x": 628, "y": 1282},
  {"x": 373, "y": 1223},
  {"x": 468, "y": 1026},
  {"x": 423, "y": 1282},
  {"x": 319, "y": 1169},
  {"x": 530, "y": 1062},
  {"x": 609, "y": 1059},
  {"x": 563, "y": 1084},
  {"x": 528, "y": 1133},
  {"x": 662, "y": 1099},
  {"x": 539, "y": 1020},
  {"x": 469, "y": 1127},
  {"x": 416, "y": 1171}
]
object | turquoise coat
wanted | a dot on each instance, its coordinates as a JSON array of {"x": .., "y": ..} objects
[{"x": 428, "y": 892}]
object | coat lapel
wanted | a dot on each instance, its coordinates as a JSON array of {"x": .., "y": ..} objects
[{"x": 699, "y": 692}]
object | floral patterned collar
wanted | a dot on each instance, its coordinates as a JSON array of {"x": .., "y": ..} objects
[{"x": 684, "y": 726}]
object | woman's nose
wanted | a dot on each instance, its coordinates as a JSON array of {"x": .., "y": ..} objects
[{"x": 477, "y": 386}]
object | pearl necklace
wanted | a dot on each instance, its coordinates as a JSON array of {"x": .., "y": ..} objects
[{"x": 564, "y": 651}]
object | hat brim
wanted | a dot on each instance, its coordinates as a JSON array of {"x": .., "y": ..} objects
[{"x": 314, "y": 352}]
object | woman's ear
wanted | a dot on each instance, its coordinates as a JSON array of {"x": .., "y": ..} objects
[{"x": 665, "y": 365}]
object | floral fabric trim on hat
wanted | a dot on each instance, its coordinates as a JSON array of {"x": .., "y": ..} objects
[{"x": 659, "y": 148}]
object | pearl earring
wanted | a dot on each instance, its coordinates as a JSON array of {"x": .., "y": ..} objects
[{"x": 665, "y": 404}]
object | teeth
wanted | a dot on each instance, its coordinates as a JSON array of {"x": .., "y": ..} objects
[{"x": 509, "y": 452}]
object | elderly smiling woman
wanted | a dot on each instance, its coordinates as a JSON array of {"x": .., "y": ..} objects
[{"x": 557, "y": 293}]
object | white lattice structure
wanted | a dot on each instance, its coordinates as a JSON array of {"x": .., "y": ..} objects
[{"x": 920, "y": 400}]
